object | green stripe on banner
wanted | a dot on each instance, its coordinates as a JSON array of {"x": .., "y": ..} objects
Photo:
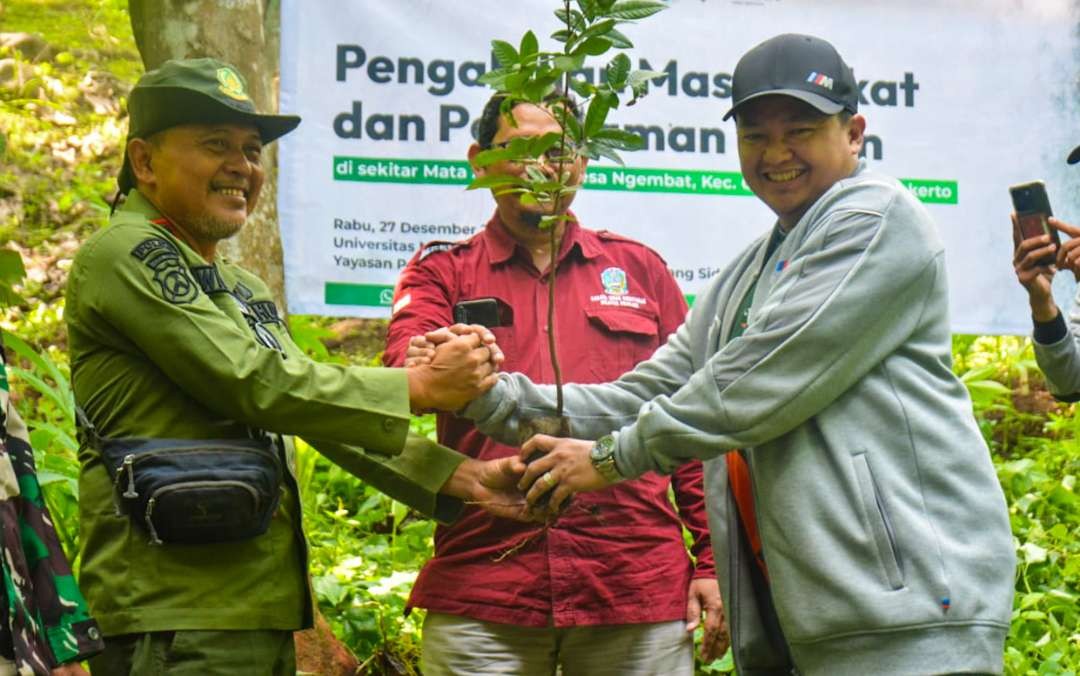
[
  {"x": 622, "y": 179},
  {"x": 933, "y": 192},
  {"x": 690, "y": 298},
  {"x": 385, "y": 170},
  {"x": 630, "y": 179},
  {"x": 371, "y": 295}
]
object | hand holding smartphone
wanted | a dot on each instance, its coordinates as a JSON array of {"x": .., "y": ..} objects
[{"x": 1032, "y": 208}]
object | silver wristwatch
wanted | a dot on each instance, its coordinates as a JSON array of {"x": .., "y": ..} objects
[{"x": 602, "y": 456}]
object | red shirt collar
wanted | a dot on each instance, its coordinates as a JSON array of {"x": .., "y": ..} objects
[{"x": 501, "y": 245}]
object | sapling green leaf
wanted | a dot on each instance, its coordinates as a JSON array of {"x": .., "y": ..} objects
[
  {"x": 486, "y": 158},
  {"x": 596, "y": 115},
  {"x": 582, "y": 87},
  {"x": 529, "y": 45},
  {"x": 568, "y": 63},
  {"x": 548, "y": 164},
  {"x": 597, "y": 148},
  {"x": 496, "y": 79},
  {"x": 633, "y": 10},
  {"x": 588, "y": 8},
  {"x": 494, "y": 181},
  {"x": 538, "y": 145},
  {"x": 617, "y": 71},
  {"x": 597, "y": 30},
  {"x": 504, "y": 52},
  {"x": 575, "y": 19},
  {"x": 618, "y": 40},
  {"x": 594, "y": 46},
  {"x": 620, "y": 138}
]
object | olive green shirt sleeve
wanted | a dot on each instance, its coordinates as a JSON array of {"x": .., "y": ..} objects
[
  {"x": 149, "y": 298},
  {"x": 414, "y": 476},
  {"x": 202, "y": 350}
]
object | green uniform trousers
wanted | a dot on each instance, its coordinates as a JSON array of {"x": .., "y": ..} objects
[{"x": 198, "y": 653}]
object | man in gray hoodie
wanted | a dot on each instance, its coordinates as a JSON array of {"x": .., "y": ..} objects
[{"x": 857, "y": 521}]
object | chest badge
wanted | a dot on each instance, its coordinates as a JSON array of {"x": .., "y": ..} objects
[{"x": 614, "y": 281}]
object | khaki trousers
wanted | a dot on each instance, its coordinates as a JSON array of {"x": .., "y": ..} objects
[{"x": 460, "y": 646}]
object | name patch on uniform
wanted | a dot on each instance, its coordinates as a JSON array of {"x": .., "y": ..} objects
[{"x": 173, "y": 279}]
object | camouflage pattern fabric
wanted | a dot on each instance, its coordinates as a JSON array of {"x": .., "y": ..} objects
[{"x": 44, "y": 619}]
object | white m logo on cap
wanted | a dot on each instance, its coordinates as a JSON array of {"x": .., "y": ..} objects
[{"x": 820, "y": 79}]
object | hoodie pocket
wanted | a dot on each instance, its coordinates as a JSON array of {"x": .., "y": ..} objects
[{"x": 877, "y": 515}]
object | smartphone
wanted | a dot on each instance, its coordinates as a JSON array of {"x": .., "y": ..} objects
[
  {"x": 490, "y": 312},
  {"x": 1032, "y": 209}
]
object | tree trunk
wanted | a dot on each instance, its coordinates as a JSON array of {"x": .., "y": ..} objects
[{"x": 246, "y": 34}]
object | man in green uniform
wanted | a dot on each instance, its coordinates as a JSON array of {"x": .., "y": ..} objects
[{"x": 170, "y": 341}]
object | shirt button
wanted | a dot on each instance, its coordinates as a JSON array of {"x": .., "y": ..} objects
[
  {"x": 389, "y": 424},
  {"x": 93, "y": 633}
]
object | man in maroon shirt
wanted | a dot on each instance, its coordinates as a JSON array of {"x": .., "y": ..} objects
[{"x": 608, "y": 587}]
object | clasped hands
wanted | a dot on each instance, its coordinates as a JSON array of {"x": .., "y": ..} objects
[{"x": 451, "y": 366}]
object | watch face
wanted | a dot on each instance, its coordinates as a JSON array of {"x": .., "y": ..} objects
[{"x": 603, "y": 448}]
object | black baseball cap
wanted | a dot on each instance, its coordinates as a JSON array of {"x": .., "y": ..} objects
[
  {"x": 801, "y": 66},
  {"x": 200, "y": 91},
  {"x": 1074, "y": 156}
]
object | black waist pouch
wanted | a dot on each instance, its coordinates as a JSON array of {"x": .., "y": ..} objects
[{"x": 195, "y": 491}]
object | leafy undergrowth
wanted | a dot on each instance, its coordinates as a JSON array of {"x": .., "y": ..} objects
[{"x": 1036, "y": 446}]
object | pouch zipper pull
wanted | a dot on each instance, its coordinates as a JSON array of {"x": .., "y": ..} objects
[
  {"x": 154, "y": 539},
  {"x": 130, "y": 493}
]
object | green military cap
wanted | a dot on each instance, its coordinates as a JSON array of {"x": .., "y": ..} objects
[{"x": 194, "y": 91}]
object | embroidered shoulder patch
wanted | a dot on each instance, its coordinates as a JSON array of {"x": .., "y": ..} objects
[
  {"x": 209, "y": 279},
  {"x": 266, "y": 312},
  {"x": 174, "y": 281}
]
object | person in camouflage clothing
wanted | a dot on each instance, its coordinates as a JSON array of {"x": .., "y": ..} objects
[{"x": 45, "y": 627}]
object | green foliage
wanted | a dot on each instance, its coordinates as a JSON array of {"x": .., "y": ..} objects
[
  {"x": 46, "y": 405},
  {"x": 1044, "y": 510},
  {"x": 60, "y": 107},
  {"x": 366, "y": 552},
  {"x": 528, "y": 74},
  {"x": 1036, "y": 447},
  {"x": 11, "y": 273}
]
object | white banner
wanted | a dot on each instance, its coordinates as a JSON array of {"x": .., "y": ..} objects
[{"x": 962, "y": 99}]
